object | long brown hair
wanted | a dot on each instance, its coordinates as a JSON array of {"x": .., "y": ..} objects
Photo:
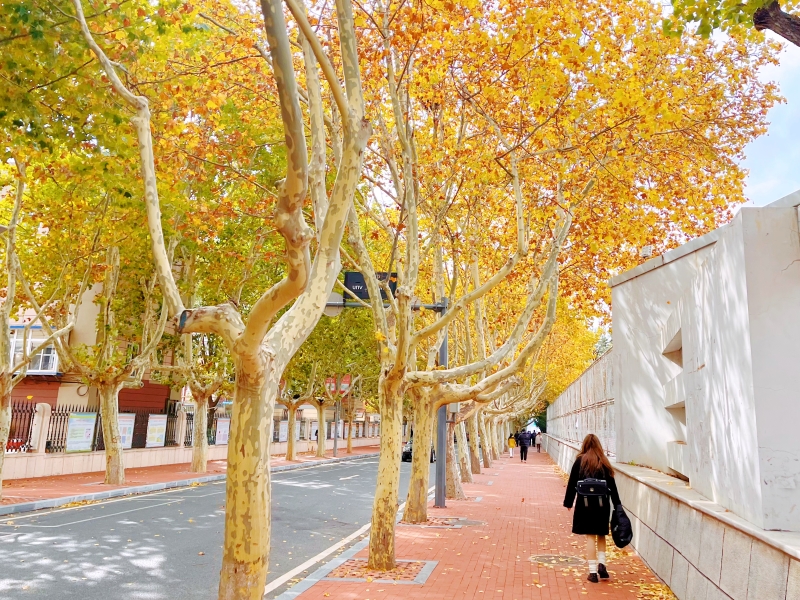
[{"x": 593, "y": 459}]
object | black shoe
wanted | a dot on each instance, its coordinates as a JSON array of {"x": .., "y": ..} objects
[
  {"x": 593, "y": 578},
  {"x": 602, "y": 571}
]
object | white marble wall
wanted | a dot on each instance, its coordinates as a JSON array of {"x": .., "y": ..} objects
[
  {"x": 698, "y": 548},
  {"x": 708, "y": 350}
]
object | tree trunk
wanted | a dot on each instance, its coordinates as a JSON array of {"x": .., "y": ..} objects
[
  {"x": 384, "y": 508},
  {"x": 291, "y": 446},
  {"x": 495, "y": 441},
  {"x": 486, "y": 443},
  {"x": 200, "y": 435},
  {"x": 474, "y": 452},
  {"x": 492, "y": 426},
  {"x": 453, "y": 488},
  {"x": 416, "y": 510},
  {"x": 245, "y": 557},
  {"x": 5, "y": 429},
  {"x": 463, "y": 454},
  {"x": 350, "y": 434},
  {"x": 320, "y": 430},
  {"x": 109, "y": 413},
  {"x": 773, "y": 18}
]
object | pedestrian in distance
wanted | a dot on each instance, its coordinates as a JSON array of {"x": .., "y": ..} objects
[
  {"x": 525, "y": 440},
  {"x": 539, "y": 442},
  {"x": 591, "y": 481},
  {"x": 512, "y": 443}
]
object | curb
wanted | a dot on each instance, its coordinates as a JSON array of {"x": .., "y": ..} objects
[
  {"x": 322, "y": 572},
  {"x": 22, "y": 507}
]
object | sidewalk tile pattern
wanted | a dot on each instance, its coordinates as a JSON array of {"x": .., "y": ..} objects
[{"x": 524, "y": 520}]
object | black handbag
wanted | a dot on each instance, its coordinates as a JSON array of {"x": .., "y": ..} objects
[{"x": 621, "y": 530}]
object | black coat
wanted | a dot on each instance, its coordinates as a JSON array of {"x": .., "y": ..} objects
[
  {"x": 525, "y": 439},
  {"x": 591, "y": 517}
]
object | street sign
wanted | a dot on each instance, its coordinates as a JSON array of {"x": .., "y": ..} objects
[
  {"x": 354, "y": 281},
  {"x": 344, "y": 384}
]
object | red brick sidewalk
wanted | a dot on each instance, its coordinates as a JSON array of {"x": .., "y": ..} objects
[
  {"x": 17, "y": 491},
  {"x": 524, "y": 517}
]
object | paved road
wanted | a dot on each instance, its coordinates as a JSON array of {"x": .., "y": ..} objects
[{"x": 168, "y": 544}]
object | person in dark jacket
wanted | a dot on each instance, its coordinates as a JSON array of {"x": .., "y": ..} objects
[
  {"x": 592, "y": 513},
  {"x": 525, "y": 439}
]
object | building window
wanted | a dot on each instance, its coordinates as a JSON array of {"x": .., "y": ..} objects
[{"x": 44, "y": 363}]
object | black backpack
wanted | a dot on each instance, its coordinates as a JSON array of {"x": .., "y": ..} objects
[
  {"x": 621, "y": 530},
  {"x": 590, "y": 487}
]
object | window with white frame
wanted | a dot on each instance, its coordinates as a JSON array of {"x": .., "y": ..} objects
[{"x": 44, "y": 363}]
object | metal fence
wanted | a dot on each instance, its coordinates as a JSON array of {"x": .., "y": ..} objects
[
  {"x": 187, "y": 439},
  {"x": 170, "y": 438},
  {"x": 59, "y": 423},
  {"x": 19, "y": 437},
  {"x": 57, "y": 430}
]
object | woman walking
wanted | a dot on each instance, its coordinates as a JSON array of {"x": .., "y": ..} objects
[
  {"x": 512, "y": 443},
  {"x": 592, "y": 481}
]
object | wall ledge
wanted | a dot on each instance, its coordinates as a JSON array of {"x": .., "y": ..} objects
[
  {"x": 787, "y": 542},
  {"x": 784, "y": 541}
]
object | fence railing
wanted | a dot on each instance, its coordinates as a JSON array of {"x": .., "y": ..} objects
[
  {"x": 19, "y": 437},
  {"x": 57, "y": 429},
  {"x": 59, "y": 423},
  {"x": 189, "y": 436}
]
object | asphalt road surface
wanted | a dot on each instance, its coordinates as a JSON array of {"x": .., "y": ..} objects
[{"x": 169, "y": 544}]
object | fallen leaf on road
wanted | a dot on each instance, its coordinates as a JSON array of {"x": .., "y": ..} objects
[{"x": 201, "y": 553}]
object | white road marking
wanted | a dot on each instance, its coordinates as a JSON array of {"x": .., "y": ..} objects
[
  {"x": 351, "y": 477},
  {"x": 315, "y": 559},
  {"x": 124, "y": 512},
  {"x": 93, "y": 504}
]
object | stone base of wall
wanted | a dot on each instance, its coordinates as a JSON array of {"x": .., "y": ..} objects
[
  {"x": 698, "y": 548},
  {"x": 40, "y": 464}
]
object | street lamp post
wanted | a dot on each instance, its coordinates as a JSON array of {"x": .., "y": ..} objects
[
  {"x": 441, "y": 428},
  {"x": 334, "y": 306}
]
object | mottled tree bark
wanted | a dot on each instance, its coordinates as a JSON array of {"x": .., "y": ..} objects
[
  {"x": 453, "y": 488},
  {"x": 291, "y": 444},
  {"x": 486, "y": 442},
  {"x": 247, "y": 493},
  {"x": 474, "y": 449},
  {"x": 463, "y": 454},
  {"x": 384, "y": 508},
  {"x": 5, "y": 428},
  {"x": 200, "y": 435},
  {"x": 109, "y": 412},
  {"x": 416, "y": 510}
]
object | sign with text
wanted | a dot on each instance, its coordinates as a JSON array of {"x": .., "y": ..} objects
[
  {"x": 80, "y": 431},
  {"x": 126, "y": 423},
  {"x": 354, "y": 281},
  {"x": 156, "y": 431},
  {"x": 283, "y": 431},
  {"x": 223, "y": 431}
]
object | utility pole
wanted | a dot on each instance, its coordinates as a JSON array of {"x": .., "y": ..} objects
[
  {"x": 336, "y": 417},
  {"x": 441, "y": 427}
]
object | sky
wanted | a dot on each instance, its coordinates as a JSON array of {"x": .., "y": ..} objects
[{"x": 774, "y": 159}]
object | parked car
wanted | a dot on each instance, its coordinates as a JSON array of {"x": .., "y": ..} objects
[{"x": 407, "y": 452}]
